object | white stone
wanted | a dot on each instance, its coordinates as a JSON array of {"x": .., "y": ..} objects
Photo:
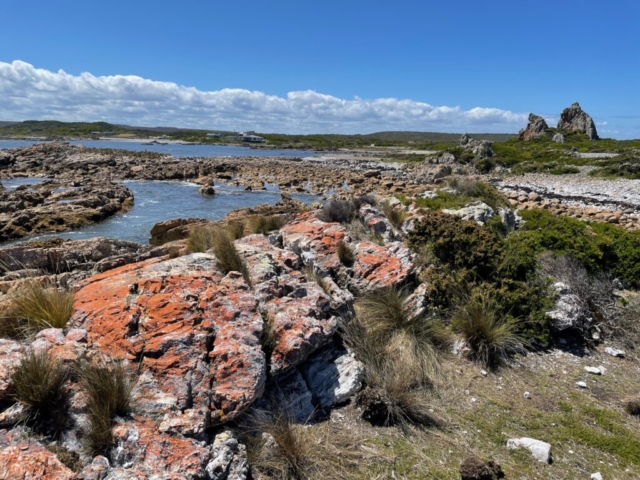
[
  {"x": 614, "y": 352},
  {"x": 593, "y": 370},
  {"x": 540, "y": 450},
  {"x": 581, "y": 384},
  {"x": 527, "y": 395},
  {"x": 483, "y": 373},
  {"x": 596, "y": 476}
]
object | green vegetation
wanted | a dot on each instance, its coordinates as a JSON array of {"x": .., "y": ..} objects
[
  {"x": 34, "y": 307},
  {"x": 39, "y": 382},
  {"x": 108, "y": 389},
  {"x": 468, "y": 191},
  {"x": 396, "y": 217}
]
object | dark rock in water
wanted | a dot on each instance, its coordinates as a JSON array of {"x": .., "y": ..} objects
[
  {"x": 574, "y": 119},
  {"x": 207, "y": 190},
  {"x": 536, "y": 128},
  {"x": 475, "y": 469}
]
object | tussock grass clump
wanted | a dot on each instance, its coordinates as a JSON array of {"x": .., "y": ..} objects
[
  {"x": 236, "y": 229},
  {"x": 346, "y": 255},
  {"x": 109, "y": 389},
  {"x": 265, "y": 225},
  {"x": 313, "y": 276},
  {"x": 385, "y": 328},
  {"x": 395, "y": 217},
  {"x": 632, "y": 407},
  {"x": 280, "y": 449},
  {"x": 36, "y": 306},
  {"x": 360, "y": 232},
  {"x": 489, "y": 336},
  {"x": 201, "y": 238},
  {"x": 39, "y": 382}
]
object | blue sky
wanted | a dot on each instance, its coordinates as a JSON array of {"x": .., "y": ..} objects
[{"x": 502, "y": 58}]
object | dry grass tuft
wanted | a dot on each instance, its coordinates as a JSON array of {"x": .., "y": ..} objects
[
  {"x": 236, "y": 229},
  {"x": 109, "y": 390},
  {"x": 201, "y": 238},
  {"x": 313, "y": 276},
  {"x": 36, "y": 306},
  {"x": 346, "y": 255},
  {"x": 280, "y": 449},
  {"x": 39, "y": 382},
  {"x": 489, "y": 336},
  {"x": 475, "y": 469},
  {"x": 395, "y": 217},
  {"x": 265, "y": 225}
]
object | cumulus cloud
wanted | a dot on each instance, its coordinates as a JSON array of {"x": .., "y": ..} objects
[{"x": 27, "y": 92}]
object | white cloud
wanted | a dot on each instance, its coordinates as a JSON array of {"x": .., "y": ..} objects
[{"x": 27, "y": 92}]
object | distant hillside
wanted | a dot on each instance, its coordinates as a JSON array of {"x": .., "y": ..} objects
[{"x": 436, "y": 137}]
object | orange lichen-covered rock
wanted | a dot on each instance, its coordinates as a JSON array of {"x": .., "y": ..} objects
[
  {"x": 381, "y": 266},
  {"x": 194, "y": 333},
  {"x": 314, "y": 240},
  {"x": 10, "y": 355},
  {"x": 25, "y": 458}
]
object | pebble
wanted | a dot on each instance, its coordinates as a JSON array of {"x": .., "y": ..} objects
[
  {"x": 596, "y": 476},
  {"x": 593, "y": 370},
  {"x": 527, "y": 395},
  {"x": 483, "y": 373},
  {"x": 581, "y": 384}
]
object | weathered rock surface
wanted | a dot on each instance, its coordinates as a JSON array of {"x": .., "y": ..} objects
[
  {"x": 479, "y": 148},
  {"x": 479, "y": 212},
  {"x": 540, "y": 450},
  {"x": 569, "y": 311},
  {"x": 536, "y": 128},
  {"x": 25, "y": 211},
  {"x": 10, "y": 355},
  {"x": 23, "y": 457},
  {"x": 574, "y": 119},
  {"x": 195, "y": 331}
]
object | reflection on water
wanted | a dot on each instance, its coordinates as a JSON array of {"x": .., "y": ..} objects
[{"x": 156, "y": 201}]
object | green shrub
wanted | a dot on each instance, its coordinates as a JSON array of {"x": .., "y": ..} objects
[
  {"x": 489, "y": 335},
  {"x": 39, "y": 382},
  {"x": 36, "y": 306},
  {"x": 340, "y": 211}
]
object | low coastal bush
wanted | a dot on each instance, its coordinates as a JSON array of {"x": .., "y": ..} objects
[
  {"x": 39, "y": 382},
  {"x": 265, "y": 225},
  {"x": 345, "y": 253},
  {"x": 489, "y": 335},
  {"x": 109, "y": 394},
  {"x": 395, "y": 217},
  {"x": 344, "y": 211},
  {"x": 36, "y": 306}
]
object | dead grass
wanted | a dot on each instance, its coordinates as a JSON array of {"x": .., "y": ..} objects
[
  {"x": 489, "y": 336},
  {"x": 346, "y": 255},
  {"x": 632, "y": 407},
  {"x": 36, "y": 306},
  {"x": 201, "y": 238},
  {"x": 360, "y": 232},
  {"x": 40, "y": 383},
  {"x": 108, "y": 387},
  {"x": 314, "y": 276},
  {"x": 236, "y": 229},
  {"x": 395, "y": 217},
  {"x": 265, "y": 225}
]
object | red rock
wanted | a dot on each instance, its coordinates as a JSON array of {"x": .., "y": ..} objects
[
  {"x": 194, "y": 332},
  {"x": 381, "y": 266},
  {"x": 26, "y": 459}
]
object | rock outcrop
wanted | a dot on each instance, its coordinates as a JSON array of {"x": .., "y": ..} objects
[
  {"x": 536, "y": 128},
  {"x": 574, "y": 119},
  {"x": 480, "y": 148}
]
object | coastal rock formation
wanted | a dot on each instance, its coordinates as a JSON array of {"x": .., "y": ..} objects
[
  {"x": 26, "y": 458},
  {"x": 45, "y": 208},
  {"x": 479, "y": 148},
  {"x": 536, "y": 128},
  {"x": 574, "y": 119}
]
